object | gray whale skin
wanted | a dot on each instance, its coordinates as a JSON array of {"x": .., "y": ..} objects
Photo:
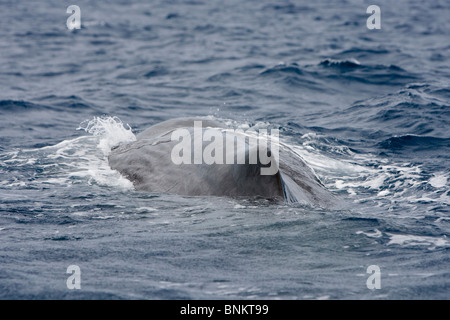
[{"x": 147, "y": 163}]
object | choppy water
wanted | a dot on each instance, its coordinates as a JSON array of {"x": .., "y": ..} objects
[{"x": 367, "y": 109}]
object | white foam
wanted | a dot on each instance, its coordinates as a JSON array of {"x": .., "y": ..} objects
[
  {"x": 412, "y": 240},
  {"x": 438, "y": 181},
  {"x": 408, "y": 240},
  {"x": 146, "y": 210},
  {"x": 383, "y": 193},
  {"x": 376, "y": 234},
  {"x": 368, "y": 177}
]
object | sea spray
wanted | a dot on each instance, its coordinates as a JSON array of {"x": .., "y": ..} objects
[{"x": 110, "y": 130}]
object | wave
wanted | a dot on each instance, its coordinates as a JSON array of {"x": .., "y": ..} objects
[
  {"x": 361, "y": 51},
  {"x": 416, "y": 110},
  {"x": 351, "y": 63},
  {"x": 354, "y": 71},
  {"x": 422, "y": 143},
  {"x": 19, "y": 105},
  {"x": 283, "y": 68},
  {"x": 52, "y": 103},
  {"x": 288, "y": 8},
  {"x": 330, "y": 75}
]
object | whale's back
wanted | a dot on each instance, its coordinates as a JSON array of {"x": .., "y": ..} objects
[{"x": 148, "y": 163}]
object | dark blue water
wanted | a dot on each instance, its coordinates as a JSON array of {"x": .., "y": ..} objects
[{"x": 368, "y": 110}]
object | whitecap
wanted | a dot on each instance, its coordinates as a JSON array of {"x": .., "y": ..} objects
[
  {"x": 438, "y": 181},
  {"x": 412, "y": 240}
]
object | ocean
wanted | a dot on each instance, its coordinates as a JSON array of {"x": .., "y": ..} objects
[{"x": 367, "y": 109}]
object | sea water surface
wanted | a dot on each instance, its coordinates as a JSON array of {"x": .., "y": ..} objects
[{"x": 368, "y": 110}]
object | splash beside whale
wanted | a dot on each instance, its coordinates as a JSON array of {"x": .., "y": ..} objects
[{"x": 148, "y": 163}]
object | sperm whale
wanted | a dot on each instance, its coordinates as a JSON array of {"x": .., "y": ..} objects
[{"x": 163, "y": 159}]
